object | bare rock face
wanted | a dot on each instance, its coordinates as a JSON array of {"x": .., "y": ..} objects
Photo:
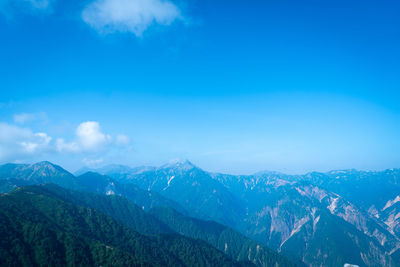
[
  {"x": 298, "y": 214},
  {"x": 298, "y": 218}
]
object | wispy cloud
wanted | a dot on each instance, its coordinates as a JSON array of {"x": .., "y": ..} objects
[
  {"x": 122, "y": 140},
  {"x": 40, "y": 4},
  {"x": 93, "y": 163},
  {"x": 8, "y": 7},
  {"x": 107, "y": 16},
  {"x": 134, "y": 16},
  {"x": 22, "y": 118}
]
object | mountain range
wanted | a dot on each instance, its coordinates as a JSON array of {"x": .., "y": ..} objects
[{"x": 265, "y": 219}]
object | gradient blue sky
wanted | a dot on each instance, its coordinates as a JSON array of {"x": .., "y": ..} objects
[{"x": 233, "y": 86}]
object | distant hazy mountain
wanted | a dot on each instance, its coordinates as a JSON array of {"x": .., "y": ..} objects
[
  {"x": 42, "y": 172},
  {"x": 114, "y": 169},
  {"x": 368, "y": 189}
]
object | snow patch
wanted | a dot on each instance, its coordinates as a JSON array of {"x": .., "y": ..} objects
[
  {"x": 301, "y": 192},
  {"x": 315, "y": 222},
  {"x": 391, "y": 203},
  {"x": 169, "y": 181},
  {"x": 373, "y": 211},
  {"x": 298, "y": 225},
  {"x": 332, "y": 207},
  {"x": 296, "y": 228}
]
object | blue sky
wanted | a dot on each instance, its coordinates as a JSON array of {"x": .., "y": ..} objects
[{"x": 234, "y": 86}]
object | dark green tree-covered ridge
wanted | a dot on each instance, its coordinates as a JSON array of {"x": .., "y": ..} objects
[
  {"x": 39, "y": 229},
  {"x": 167, "y": 220},
  {"x": 234, "y": 244},
  {"x": 118, "y": 207}
]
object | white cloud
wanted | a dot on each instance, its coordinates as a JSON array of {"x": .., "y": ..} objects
[
  {"x": 20, "y": 143},
  {"x": 90, "y": 137},
  {"x": 133, "y": 16},
  {"x": 37, "y": 142},
  {"x": 62, "y": 146},
  {"x": 17, "y": 142}
]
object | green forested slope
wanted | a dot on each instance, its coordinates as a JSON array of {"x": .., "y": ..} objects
[
  {"x": 39, "y": 229},
  {"x": 118, "y": 207}
]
